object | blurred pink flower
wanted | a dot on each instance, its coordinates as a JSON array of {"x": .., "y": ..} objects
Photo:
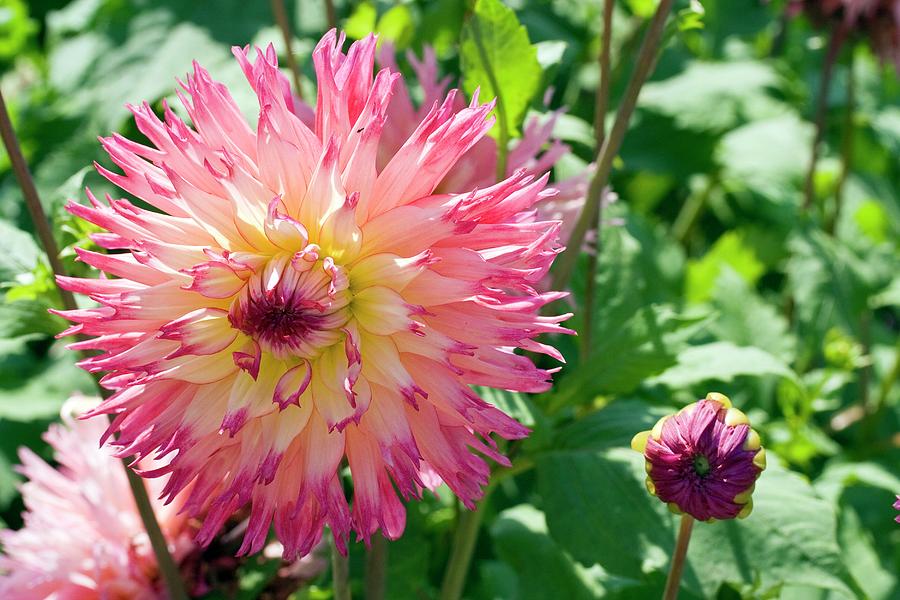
[
  {"x": 877, "y": 21},
  {"x": 83, "y": 537},
  {"x": 535, "y": 153},
  {"x": 298, "y": 301},
  {"x": 704, "y": 460},
  {"x": 897, "y": 506}
]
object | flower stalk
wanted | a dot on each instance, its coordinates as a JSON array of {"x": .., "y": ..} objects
[
  {"x": 376, "y": 568},
  {"x": 646, "y": 61},
  {"x": 835, "y": 42},
  {"x": 167, "y": 567},
  {"x": 340, "y": 573},
  {"x": 284, "y": 25},
  {"x": 600, "y": 110},
  {"x": 673, "y": 581},
  {"x": 461, "y": 555}
]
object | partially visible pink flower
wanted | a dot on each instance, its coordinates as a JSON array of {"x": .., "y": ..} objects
[
  {"x": 877, "y": 21},
  {"x": 703, "y": 461},
  {"x": 535, "y": 153},
  {"x": 897, "y": 506},
  {"x": 83, "y": 538},
  {"x": 296, "y": 302}
]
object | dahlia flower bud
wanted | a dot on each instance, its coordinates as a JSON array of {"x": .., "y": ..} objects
[
  {"x": 302, "y": 295},
  {"x": 704, "y": 460},
  {"x": 83, "y": 536}
]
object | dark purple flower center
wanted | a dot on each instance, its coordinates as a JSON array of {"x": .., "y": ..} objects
[{"x": 275, "y": 322}]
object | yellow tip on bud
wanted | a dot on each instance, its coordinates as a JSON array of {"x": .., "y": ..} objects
[
  {"x": 760, "y": 459},
  {"x": 745, "y": 512},
  {"x": 648, "y": 466},
  {"x": 752, "y": 442},
  {"x": 734, "y": 417},
  {"x": 651, "y": 487},
  {"x": 656, "y": 432},
  {"x": 639, "y": 441},
  {"x": 744, "y": 497},
  {"x": 722, "y": 399},
  {"x": 673, "y": 508}
]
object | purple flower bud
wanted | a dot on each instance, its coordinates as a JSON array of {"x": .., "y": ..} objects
[{"x": 704, "y": 460}]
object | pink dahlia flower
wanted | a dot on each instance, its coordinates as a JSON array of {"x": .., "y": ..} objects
[
  {"x": 535, "y": 153},
  {"x": 897, "y": 506},
  {"x": 296, "y": 301},
  {"x": 703, "y": 461},
  {"x": 83, "y": 537}
]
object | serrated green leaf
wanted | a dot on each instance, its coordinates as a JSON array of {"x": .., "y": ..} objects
[
  {"x": 497, "y": 56},
  {"x": 722, "y": 361}
]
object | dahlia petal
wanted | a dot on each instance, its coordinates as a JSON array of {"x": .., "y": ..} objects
[{"x": 292, "y": 384}]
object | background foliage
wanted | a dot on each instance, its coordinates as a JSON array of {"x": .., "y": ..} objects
[{"x": 712, "y": 277}]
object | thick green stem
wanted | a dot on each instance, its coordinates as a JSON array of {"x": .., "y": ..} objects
[
  {"x": 590, "y": 213},
  {"x": 376, "y": 568},
  {"x": 284, "y": 25},
  {"x": 600, "y": 110},
  {"x": 461, "y": 554},
  {"x": 167, "y": 567},
  {"x": 673, "y": 582},
  {"x": 340, "y": 574}
]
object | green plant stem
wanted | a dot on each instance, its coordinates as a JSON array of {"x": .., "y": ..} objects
[
  {"x": 591, "y": 210},
  {"x": 846, "y": 145},
  {"x": 691, "y": 211},
  {"x": 340, "y": 574},
  {"x": 673, "y": 581},
  {"x": 284, "y": 25},
  {"x": 600, "y": 110},
  {"x": 834, "y": 46},
  {"x": 461, "y": 554},
  {"x": 376, "y": 568},
  {"x": 166, "y": 564}
]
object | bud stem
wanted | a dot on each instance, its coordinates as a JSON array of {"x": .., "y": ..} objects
[
  {"x": 284, "y": 25},
  {"x": 340, "y": 574},
  {"x": 164, "y": 561},
  {"x": 681, "y": 546}
]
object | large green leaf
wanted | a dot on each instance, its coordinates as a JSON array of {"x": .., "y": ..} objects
[
  {"x": 714, "y": 96},
  {"x": 722, "y": 361},
  {"x": 745, "y": 319},
  {"x": 728, "y": 251},
  {"x": 521, "y": 539},
  {"x": 497, "y": 56},
  {"x": 19, "y": 253}
]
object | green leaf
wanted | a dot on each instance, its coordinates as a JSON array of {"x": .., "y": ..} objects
[
  {"x": 714, "y": 96},
  {"x": 361, "y": 21},
  {"x": 767, "y": 157},
  {"x": 745, "y": 319},
  {"x": 397, "y": 26},
  {"x": 33, "y": 387},
  {"x": 722, "y": 361},
  {"x": 18, "y": 252},
  {"x": 497, "y": 56},
  {"x": 791, "y": 538},
  {"x": 521, "y": 539},
  {"x": 729, "y": 250},
  {"x": 25, "y": 317}
]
